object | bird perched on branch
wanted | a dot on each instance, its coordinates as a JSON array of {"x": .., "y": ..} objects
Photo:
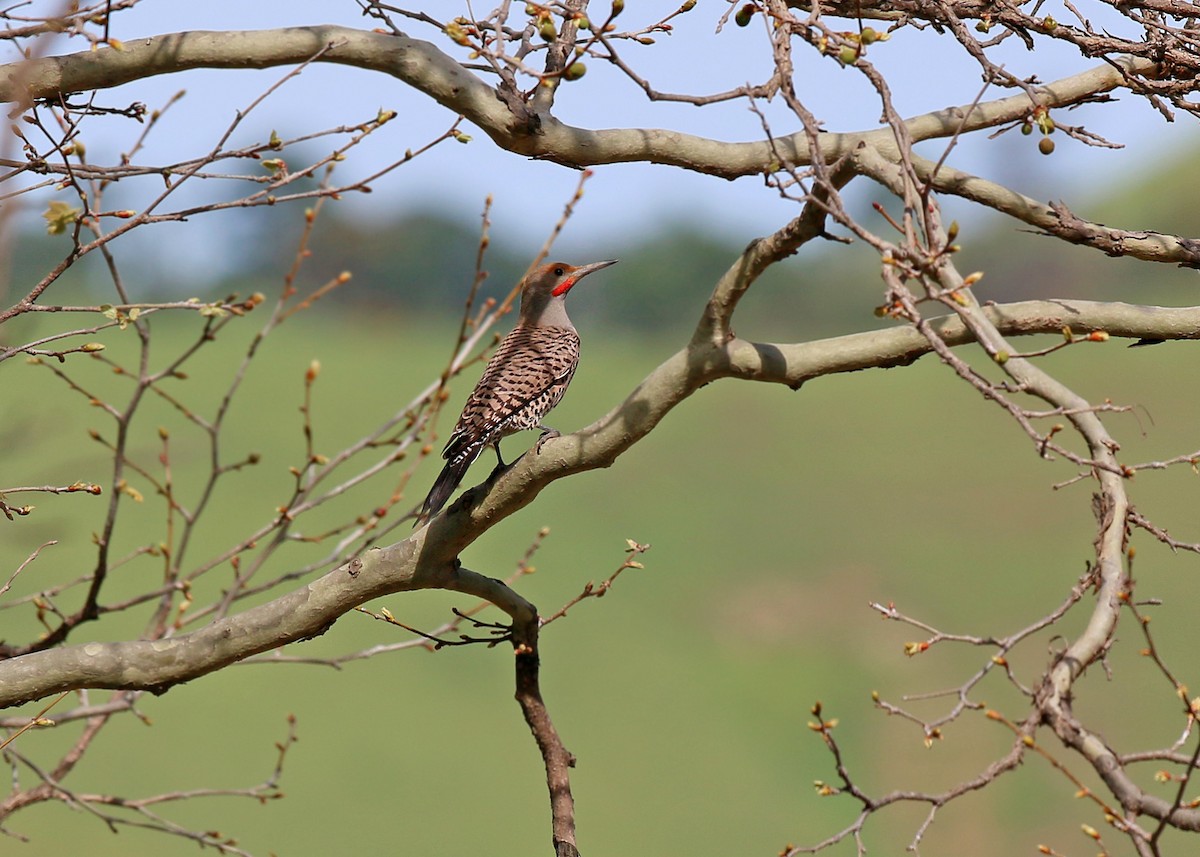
[{"x": 523, "y": 381}]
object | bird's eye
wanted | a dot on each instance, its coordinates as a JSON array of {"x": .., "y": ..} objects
[{"x": 559, "y": 271}]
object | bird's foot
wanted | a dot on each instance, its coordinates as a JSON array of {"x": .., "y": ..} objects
[
  {"x": 547, "y": 434},
  {"x": 500, "y": 467}
]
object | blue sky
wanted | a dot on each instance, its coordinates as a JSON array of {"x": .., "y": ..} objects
[{"x": 622, "y": 201}]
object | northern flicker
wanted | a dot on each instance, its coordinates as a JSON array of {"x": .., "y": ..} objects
[{"x": 523, "y": 381}]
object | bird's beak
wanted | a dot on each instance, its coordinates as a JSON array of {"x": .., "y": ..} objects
[
  {"x": 578, "y": 274},
  {"x": 584, "y": 270}
]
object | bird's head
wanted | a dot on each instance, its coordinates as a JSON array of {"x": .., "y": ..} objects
[
  {"x": 550, "y": 281},
  {"x": 557, "y": 278}
]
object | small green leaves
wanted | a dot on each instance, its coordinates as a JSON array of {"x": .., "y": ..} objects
[
  {"x": 121, "y": 318},
  {"x": 125, "y": 488},
  {"x": 59, "y": 216},
  {"x": 460, "y": 136}
]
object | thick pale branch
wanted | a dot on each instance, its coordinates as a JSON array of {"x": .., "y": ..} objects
[
  {"x": 423, "y": 66},
  {"x": 158, "y": 664},
  {"x": 1076, "y": 89},
  {"x": 715, "y": 323},
  {"x": 791, "y": 364},
  {"x": 415, "y": 62},
  {"x": 428, "y": 558},
  {"x": 1111, "y": 506},
  {"x": 1057, "y": 220}
]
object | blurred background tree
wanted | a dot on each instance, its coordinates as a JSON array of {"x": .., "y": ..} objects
[{"x": 234, "y": 317}]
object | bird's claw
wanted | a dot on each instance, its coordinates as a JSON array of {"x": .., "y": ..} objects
[{"x": 546, "y": 435}]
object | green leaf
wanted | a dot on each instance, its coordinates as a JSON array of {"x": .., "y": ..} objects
[{"x": 59, "y": 216}]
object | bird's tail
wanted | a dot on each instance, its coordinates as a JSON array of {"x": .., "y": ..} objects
[{"x": 452, "y": 474}]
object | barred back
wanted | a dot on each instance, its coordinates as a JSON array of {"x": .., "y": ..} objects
[{"x": 523, "y": 381}]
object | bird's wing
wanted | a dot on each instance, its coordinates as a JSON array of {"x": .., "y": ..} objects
[{"x": 529, "y": 362}]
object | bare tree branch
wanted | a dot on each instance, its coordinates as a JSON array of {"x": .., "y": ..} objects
[{"x": 425, "y": 560}]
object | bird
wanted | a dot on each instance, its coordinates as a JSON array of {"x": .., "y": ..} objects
[{"x": 523, "y": 381}]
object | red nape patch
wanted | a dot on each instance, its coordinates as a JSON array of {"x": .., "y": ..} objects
[{"x": 563, "y": 287}]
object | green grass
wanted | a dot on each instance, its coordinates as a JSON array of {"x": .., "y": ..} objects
[{"x": 775, "y": 517}]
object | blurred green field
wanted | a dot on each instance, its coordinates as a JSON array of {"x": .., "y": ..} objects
[{"x": 775, "y": 517}]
